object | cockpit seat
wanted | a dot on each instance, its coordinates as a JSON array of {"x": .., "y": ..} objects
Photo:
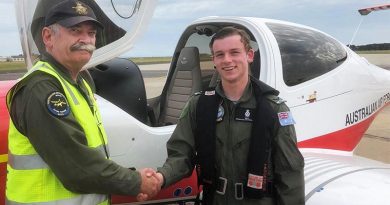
[{"x": 185, "y": 81}]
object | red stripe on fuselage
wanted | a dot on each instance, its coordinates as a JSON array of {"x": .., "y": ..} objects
[{"x": 345, "y": 140}]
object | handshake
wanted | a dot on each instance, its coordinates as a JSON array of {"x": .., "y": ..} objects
[{"x": 151, "y": 183}]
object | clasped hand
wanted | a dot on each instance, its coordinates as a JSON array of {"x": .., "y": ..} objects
[{"x": 150, "y": 185}]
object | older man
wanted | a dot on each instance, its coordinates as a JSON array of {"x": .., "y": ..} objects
[{"x": 57, "y": 144}]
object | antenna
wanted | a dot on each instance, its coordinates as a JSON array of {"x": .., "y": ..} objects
[
  {"x": 357, "y": 29},
  {"x": 364, "y": 12}
]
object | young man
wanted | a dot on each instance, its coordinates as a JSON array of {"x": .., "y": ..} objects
[
  {"x": 57, "y": 144},
  {"x": 240, "y": 134}
]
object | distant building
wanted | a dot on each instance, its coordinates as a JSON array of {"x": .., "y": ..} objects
[{"x": 18, "y": 58}]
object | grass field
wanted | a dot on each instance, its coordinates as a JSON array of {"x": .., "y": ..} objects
[{"x": 12, "y": 67}]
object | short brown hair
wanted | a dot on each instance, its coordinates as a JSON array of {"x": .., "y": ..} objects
[{"x": 230, "y": 31}]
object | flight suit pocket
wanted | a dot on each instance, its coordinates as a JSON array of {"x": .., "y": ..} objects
[
  {"x": 294, "y": 160},
  {"x": 240, "y": 155},
  {"x": 288, "y": 155}
]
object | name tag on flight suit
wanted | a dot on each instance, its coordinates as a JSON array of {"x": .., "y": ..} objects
[{"x": 244, "y": 114}]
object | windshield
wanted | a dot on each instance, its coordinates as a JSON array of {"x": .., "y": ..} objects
[{"x": 123, "y": 20}]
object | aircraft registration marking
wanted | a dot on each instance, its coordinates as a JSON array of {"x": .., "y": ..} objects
[{"x": 3, "y": 158}]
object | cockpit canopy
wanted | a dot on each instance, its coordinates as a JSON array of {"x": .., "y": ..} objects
[{"x": 123, "y": 20}]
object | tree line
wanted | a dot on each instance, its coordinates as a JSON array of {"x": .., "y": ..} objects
[{"x": 370, "y": 47}]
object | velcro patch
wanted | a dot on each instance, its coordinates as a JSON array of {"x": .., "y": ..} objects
[{"x": 57, "y": 104}]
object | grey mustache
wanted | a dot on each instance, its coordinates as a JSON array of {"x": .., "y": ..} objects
[{"x": 79, "y": 46}]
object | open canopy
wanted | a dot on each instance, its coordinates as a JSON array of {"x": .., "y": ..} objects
[{"x": 123, "y": 21}]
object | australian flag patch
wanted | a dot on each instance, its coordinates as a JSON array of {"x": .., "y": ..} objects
[{"x": 285, "y": 118}]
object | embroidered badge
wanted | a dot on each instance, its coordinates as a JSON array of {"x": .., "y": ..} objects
[
  {"x": 57, "y": 104},
  {"x": 209, "y": 92},
  {"x": 255, "y": 181},
  {"x": 244, "y": 114},
  {"x": 221, "y": 113},
  {"x": 80, "y": 9},
  {"x": 247, "y": 114},
  {"x": 285, "y": 118}
]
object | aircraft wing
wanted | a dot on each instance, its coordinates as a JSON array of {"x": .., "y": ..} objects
[{"x": 345, "y": 179}]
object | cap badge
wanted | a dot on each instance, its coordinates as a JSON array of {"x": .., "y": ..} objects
[{"x": 80, "y": 9}]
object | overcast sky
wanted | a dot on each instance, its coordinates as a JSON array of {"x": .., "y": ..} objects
[{"x": 338, "y": 18}]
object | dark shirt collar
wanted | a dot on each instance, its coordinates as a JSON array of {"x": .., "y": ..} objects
[{"x": 59, "y": 68}]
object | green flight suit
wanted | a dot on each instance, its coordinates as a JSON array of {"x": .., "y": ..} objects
[{"x": 232, "y": 146}]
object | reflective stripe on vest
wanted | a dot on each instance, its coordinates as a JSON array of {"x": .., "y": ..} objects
[
  {"x": 86, "y": 199},
  {"x": 29, "y": 179},
  {"x": 33, "y": 161}
]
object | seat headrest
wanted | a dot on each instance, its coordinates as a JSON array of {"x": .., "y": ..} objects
[
  {"x": 255, "y": 65},
  {"x": 188, "y": 58}
]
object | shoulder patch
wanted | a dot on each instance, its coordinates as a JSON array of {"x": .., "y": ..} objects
[
  {"x": 285, "y": 118},
  {"x": 57, "y": 104}
]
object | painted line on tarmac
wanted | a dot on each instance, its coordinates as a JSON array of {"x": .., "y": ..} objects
[{"x": 377, "y": 137}]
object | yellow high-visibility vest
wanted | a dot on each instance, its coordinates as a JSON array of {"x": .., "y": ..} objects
[{"x": 29, "y": 179}]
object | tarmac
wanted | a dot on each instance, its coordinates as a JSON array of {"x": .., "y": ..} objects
[{"x": 375, "y": 143}]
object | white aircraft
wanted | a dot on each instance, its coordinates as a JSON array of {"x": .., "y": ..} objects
[{"x": 333, "y": 93}]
